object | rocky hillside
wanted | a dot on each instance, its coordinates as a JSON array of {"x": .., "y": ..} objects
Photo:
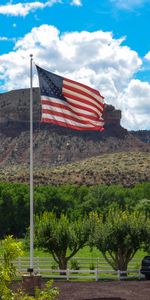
[
  {"x": 54, "y": 145},
  {"x": 62, "y": 155}
]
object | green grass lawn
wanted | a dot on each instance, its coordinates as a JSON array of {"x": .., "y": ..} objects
[
  {"x": 86, "y": 252},
  {"x": 91, "y": 254}
]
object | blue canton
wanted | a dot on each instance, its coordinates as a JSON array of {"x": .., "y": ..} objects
[{"x": 50, "y": 84}]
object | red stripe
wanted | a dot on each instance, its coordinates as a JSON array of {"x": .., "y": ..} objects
[
  {"x": 66, "y": 116},
  {"x": 48, "y": 102},
  {"x": 85, "y": 86},
  {"x": 71, "y": 126}
]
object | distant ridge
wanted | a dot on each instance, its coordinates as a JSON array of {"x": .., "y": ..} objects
[
  {"x": 124, "y": 168},
  {"x": 54, "y": 145}
]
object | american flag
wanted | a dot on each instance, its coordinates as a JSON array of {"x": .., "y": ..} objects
[{"x": 69, "y": 103}]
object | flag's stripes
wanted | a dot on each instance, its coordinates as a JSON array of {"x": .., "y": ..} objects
[
  {"x": 78, "y": 108},
  {"x": 65, "y": 115},
  {"x": 83, "y": 93},
  {"x": 56, "y": 102},
  {"x": 75, "y": 83},
  {"x": 69, "y": 123},
  {"x": 79, "y": 102},
  {"x": 56, "y": 105},
  {"x": 97, "y": 100}
]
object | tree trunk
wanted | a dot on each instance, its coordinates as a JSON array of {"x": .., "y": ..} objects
[
  {"x": 63, "y": 265},
  {"x": 122, "y": 266}
]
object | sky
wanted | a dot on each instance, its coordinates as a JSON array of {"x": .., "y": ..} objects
[{"x": 102, "y": 43}]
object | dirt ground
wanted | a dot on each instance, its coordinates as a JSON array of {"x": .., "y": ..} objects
[{"x": 104, "y": 290}]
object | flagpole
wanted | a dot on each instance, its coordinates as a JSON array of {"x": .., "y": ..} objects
[{"x": 31, "y": 172}]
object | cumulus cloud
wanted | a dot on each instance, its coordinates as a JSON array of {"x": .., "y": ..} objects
[
  {"x": 137, "y": 105},
  {"x": 23, "y": 9},
  {"x": 76, "y": 2},
  {"x": 147, "y": 56},
  {"x": 94, "y": 58},
  {"x": 129, "y": 4}
]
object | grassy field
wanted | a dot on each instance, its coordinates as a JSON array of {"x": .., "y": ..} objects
[
  {"x": 85, "y": 253},
  {"x": 85, "y": 260}
]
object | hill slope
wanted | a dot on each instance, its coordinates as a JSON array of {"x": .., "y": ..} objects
[
  {"x": 117, "y": 168},
  {"x": 62, "y": 155}
]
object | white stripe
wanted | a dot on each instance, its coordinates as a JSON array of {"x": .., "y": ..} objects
[
  {"x": 82, "y": 97},
  {"x": 68, "y": 121},
  {"x": 93, "y": 94},
  {"x": 68, "y": 113}
]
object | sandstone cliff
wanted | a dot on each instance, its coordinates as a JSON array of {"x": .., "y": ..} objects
[{"x": 54, "y": 145}]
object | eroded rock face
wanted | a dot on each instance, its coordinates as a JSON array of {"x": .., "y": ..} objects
[
  {"x": 55, "y": 145},
  {"x": 15, "y": 105}
]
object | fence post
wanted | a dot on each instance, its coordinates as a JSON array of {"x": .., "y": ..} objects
[
  {"x": 38, "y": 264},
  {"x": 97, "y": 263},
  {"x": 118, "y": 274},
  {"x": 96, "y": 274},
  {"x": 68, "y": 272},
  {"x": 139, "y": 274},
  {"x": 19, "y": 263}
]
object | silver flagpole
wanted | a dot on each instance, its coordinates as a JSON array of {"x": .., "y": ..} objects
[{"x": 31, "y": 172}]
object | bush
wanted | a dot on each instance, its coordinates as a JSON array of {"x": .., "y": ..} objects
[
  {"x": 11, "y": 250},
  {"x": 74, "y": 264}
]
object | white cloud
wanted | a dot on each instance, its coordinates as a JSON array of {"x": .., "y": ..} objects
[
  {"x": 136, "y": 104},
  {"x": 76, "y": 2},
  {"x": 129, "y": 4},
  {"x": 147, "y": 56},
  {"x": 3, "y": 38},
  {"x": 94, "y": 58},
  {"x": 23, "y": 9}
]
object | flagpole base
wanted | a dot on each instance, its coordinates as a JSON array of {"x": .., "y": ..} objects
[
  {"x": 30, "y": 271},
  {"x": 31, "y": 282}
]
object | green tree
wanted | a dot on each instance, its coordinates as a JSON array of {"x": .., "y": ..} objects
[
  {"x": 61, "y": 237},
  {"x": 119, "y": 235},
  {"x": 14, "y": 209},
  {"x": 11, "y": 250},
  {"x": 101, "y": 197},
  {"x": 143, "y": 206}
]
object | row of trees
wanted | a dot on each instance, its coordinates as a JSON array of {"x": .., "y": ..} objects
[
  {"x": 117, "y": 234},
  {"x": 112, "y": 218},
  {"x": 74, "y": 201}
]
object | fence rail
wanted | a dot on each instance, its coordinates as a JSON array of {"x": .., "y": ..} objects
[{"x": 88, "y": 268}]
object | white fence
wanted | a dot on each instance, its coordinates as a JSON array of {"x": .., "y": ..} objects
[{"x": 88, "y": 268}]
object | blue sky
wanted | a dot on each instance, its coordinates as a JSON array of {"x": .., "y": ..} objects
[{"x": 105, "y": 44}]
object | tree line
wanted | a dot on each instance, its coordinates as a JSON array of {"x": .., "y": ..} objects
[
  {"x": 71, "y": 200},
  {"x": 68, "y": 217}
]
